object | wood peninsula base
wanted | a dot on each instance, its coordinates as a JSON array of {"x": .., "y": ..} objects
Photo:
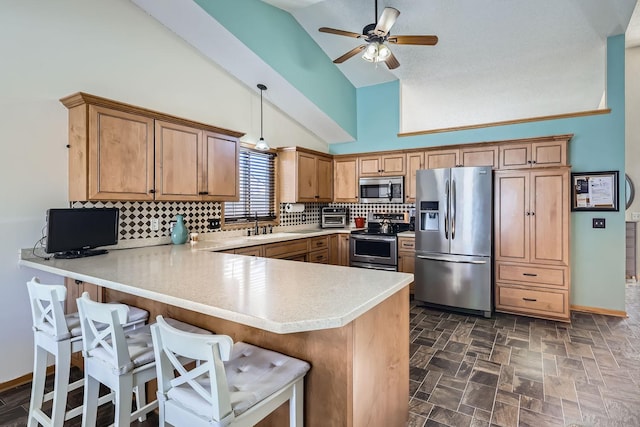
[{"x": 359, "y": 373}]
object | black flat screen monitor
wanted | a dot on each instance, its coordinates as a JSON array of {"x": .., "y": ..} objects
[{"x": 74, "y": 233}]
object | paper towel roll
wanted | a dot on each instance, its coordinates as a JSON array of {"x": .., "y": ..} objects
[{"x": 294, "y": 207}]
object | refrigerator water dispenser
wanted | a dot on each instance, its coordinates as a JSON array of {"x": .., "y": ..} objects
[{"x": 429, "y": 216}]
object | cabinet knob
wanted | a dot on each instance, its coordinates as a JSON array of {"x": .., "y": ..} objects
[
  {"x": 534, "y": 162},
  {"x": 528, "y": 213},
  {"x": 533, "y": 213},
  {"x": 152, "y": 191},
  {"x": 529, "y": 161},
  {"x": 203, "y": 193}
]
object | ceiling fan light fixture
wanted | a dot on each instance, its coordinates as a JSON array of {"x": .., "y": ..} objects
[
  {"x": 383, "y": 53},
  {"x": 371, "y": 52},
  {"x": 261, "y": 144}
]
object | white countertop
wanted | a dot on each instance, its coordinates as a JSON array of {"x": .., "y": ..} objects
[{"x": 275, "y": 295}]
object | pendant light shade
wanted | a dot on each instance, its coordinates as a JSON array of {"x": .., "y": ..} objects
[{"x": 261, "y": 144}]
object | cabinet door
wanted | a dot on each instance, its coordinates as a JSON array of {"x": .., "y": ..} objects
[
  {"x": 178, "y": 151},
  {"x": 441, "y": 159},
  {"x": 220, "y": 168},
  {"x": 370, "y": 166},
  {"x": 120, "y": 155},
  {"x": 415, "y": 161},
  {"x": 552, "y": 153},
  {"x": 511, "y": 216},
  {"x": 549, "y": 217},
  {"x": 344, "y": 249},
  {"x": 483, "y": 156},
  {"x": 325, "y": 179},
  {"x": 345, "y": 180},
  {"x": 392, "y": 164},
  {"x": 307, "y": 177},
  {"x": 334, "y": 251},
  {"x": 515, "y": 156}
]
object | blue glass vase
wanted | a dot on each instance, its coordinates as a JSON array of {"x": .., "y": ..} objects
[{"x": 179, "y": 234}]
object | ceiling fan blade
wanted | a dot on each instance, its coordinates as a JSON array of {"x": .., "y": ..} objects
[
  {"x": 392, "y": 62},
  {"x": 351, "y": 53},
  {"x": 386, "y": 21},
  {"x": 415, "y": 40},
  {"x": 339, "y": 32}
]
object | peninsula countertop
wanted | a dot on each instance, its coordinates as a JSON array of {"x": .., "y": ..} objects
[{"x": 275, "y": 295}]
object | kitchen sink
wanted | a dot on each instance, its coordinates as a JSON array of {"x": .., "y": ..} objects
[{"x": 270, "y": 236}]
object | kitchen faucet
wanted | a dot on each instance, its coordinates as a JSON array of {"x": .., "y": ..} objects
[{"x": 256, "y": 229}]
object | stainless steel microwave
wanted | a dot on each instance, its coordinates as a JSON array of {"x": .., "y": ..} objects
[{"x": 389, "y": 189}]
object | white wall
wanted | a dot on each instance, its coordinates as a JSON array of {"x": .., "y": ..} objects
[{"x": 107, "y": 48}]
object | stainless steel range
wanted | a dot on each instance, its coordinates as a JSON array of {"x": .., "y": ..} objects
[{"x": 377, "y": 246}]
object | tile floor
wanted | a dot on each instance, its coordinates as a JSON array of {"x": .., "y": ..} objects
[
  {"x": 517, "y": 371},
  {"x": 468, "y": 371}
]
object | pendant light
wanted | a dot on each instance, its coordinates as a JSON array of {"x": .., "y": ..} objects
[{"x": 261, "y": 144}]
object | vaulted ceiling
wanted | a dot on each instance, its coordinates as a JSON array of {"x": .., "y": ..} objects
[{"x": 490, "y": 51}]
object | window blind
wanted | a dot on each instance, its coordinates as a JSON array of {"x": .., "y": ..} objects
[{"x": 257, "y": 188}]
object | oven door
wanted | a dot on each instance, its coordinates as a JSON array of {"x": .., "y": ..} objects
[{"x": 373, "y": 249}]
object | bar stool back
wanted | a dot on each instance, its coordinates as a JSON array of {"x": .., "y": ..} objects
[
  {"x": 233, "y": 385},
  {"x": 118, "y": 359},
  {"x": 60, "y": 335}
]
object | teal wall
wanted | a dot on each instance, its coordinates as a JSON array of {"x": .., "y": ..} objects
[
  {"x": 277, "y": 38},
  {"x": 597, "y": 256}
]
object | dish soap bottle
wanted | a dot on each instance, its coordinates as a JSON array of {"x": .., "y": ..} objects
[{"x": 179, "y": 233}]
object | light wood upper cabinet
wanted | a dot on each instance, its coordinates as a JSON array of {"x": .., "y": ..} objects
[
  {"x": 122, "y": 152},
  {"x": 415, "y": 161},
  {"x": 532, "y": 216},
  {"x": 304, "y": 176},
  {"x": 456, "y": 157},
  {"x": 219, "y": 167},
  {"x": 345, "y": 179},
  {"x": 120, "y": 155},
  {"x": 479, "y": 156},
  {"x": 382, "y": 165},
  {"x": 434, "y": 159},
  {"x": 533, "y": 154},
  {"x": 178, "y": 170}
]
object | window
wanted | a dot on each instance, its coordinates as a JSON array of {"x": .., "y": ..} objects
[{"x": 257, "y": 188}]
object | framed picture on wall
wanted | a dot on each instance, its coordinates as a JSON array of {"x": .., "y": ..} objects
[{"x": 594, "y": 191}]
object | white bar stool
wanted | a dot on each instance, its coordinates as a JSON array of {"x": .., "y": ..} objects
[
  {"x": 250, "y": 384},
  {"x": 60, "y": 335},
  {"x": 120, "y": 360}
]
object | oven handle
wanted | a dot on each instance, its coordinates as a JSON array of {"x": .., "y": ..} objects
[
  {"x": 378, "y": 238},
  {"x": 450, "y": 260}
]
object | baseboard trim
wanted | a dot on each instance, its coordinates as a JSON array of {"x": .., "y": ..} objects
[
  {"x": 596, "y": 310},
  {"x": 22, "y": 380}
]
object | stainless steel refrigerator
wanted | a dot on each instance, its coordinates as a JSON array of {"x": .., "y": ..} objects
[{"x": 453, "y": 238}]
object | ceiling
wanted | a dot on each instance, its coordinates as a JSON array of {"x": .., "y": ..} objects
[
  {"x": 472, "y": 34},
  {"x": 495, "y": 60}
]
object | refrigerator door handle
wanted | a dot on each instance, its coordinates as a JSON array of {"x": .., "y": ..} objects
[
  {"x": 446, "y": 210},
  {"x": 450, "y": 260},
  {"x": 453, "y": 209}
]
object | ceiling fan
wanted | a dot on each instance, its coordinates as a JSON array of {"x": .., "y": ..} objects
[{"x": 375, "y": 35}]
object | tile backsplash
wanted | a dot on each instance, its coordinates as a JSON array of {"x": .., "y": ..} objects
[{"x": 135, "y": 217}]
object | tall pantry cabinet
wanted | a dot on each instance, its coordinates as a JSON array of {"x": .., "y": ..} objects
[{"x": 531, "y": 223}]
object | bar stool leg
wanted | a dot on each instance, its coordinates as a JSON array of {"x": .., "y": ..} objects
[
  {"x": 90, "y": 409},
  {"x": 141, "y": 400},
  {"x": 123, "y": 400},
  {"x": 61, "y": 383},
  {"x": 37, "y": 384}
]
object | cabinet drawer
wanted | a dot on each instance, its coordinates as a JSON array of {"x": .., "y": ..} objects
[
  {"x": 316, "y": 243},
  {"x": 532, "y": 301},
  {"x": 553, "y": 276},
  {"x": 284, "y": 250},
  {"x": 320, "y": 257},
  {"x": 407, "y": 243},
  {"x": 250, "y": 251}
]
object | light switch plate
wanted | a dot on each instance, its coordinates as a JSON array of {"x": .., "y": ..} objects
[
  {"x": 155, "y": 224},
  {"x": 599, "y": 223},
  {"x": 635, "y": 215}
]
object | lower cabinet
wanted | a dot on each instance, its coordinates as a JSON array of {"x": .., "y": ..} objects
[
  {"x": 319, "y": 250},
  {"x": 295, "y": 250},
  {"x": 339, "y": 249},
  {"x": 407, "y": 257},
  {"x": 250, "y": 251}
]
